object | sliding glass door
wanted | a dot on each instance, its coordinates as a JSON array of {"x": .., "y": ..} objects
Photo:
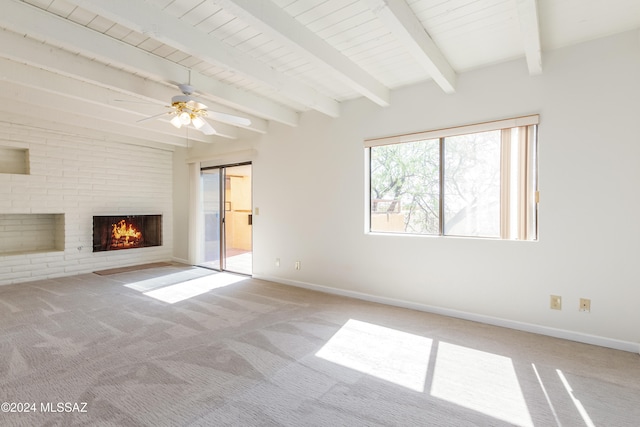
[
  {"x": 227, "y": 218},
  {"x": 212, "y": 218}
]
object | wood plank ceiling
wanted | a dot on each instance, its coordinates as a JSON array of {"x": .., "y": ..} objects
[{"x": 104, "y": 65}]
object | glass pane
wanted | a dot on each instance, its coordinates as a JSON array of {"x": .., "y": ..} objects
[
  {"x": 211, "y": 211},
  {"x": 238, "y": 219},
  {"x": 405, "y": 187},
  {"x": 472, "y": 185}
]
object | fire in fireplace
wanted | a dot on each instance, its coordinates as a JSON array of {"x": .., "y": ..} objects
[{"x": 126, "y": 232}]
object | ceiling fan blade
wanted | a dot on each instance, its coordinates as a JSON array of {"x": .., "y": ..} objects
[
  {"x": 154, "y": 117},
  {"x": 229, "y": 118},
  {"x": 207, "y": 129}
]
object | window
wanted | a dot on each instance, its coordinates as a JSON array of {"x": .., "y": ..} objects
[{"x": 475, "y": 181}]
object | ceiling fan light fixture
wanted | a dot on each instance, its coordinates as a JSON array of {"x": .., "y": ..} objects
[
  {"x": 184, "y": 117},
  {"x": 197, "y": 122},
  {"x": 176, "y": 122}
]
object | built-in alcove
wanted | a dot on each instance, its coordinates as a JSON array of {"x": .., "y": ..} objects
[
  {"x": 26, "y": 233},
  {"x": 14, "y": 160}
]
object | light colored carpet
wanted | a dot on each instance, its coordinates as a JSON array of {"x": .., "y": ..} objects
[{"x": 186, "y": 346}]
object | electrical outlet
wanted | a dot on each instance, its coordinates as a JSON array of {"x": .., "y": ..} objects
[
  {"x": 585, "y": 305},
  {"x": 297, "y": 266},
  {"x": 277, "y": 262},
  {"x": 556, "y": 302}
]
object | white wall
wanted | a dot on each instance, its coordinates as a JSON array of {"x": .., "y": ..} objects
[
  {"x": 309, "y": 185},
  {"x": 81, "y": 176},
  {"x": 180, "y": 205}
]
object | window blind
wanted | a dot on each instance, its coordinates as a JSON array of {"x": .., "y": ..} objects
[{"x": 453, "y": 131}]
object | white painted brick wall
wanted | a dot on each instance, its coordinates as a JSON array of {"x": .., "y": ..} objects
[{"x": 79, "y": 177}]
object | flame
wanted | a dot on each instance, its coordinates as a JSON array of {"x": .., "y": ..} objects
[{"x": 120, "y": 231}]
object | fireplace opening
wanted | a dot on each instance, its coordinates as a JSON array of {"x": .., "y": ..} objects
[{"x": 112, "y": 232}]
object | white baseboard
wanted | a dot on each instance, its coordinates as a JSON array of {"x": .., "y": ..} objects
[
  {"x": 632, "y": 347},
  {"x": 180, "y": 260}
]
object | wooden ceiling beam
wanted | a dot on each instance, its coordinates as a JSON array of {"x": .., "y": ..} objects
[
  {"x": 530, "y": 29},
  {"x": 400, "y": 19},
  {"x": 277, "y": 24}
]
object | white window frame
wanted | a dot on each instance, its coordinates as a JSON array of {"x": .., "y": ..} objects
[{"x": 518, "y": 218}]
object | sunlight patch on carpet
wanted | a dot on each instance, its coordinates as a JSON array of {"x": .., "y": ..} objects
[
  {"x": 583, "y": 412},
  {"x": 480, "y": 381},
  {"x": 388, "y": 354},
  {"x": 546, "y": 394},
  {"x": 160, "y": 281},
  {"x": 188, "y": 289}
]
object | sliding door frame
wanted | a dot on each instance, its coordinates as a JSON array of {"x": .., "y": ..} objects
[{"x": 222, "y": 170}]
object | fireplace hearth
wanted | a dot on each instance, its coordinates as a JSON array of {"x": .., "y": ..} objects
[{"x": 117, "y": 232}]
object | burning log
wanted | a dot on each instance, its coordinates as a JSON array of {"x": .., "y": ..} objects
[{"x": 125, "y": 234}]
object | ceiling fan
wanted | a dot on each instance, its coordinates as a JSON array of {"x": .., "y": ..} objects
[{"x": 187, "y": 110}]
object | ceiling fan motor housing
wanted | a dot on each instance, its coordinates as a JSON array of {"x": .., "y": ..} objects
[{"x": 186, "y": 89}]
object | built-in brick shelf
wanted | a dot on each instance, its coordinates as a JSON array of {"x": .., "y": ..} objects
[
  {"x": 14, "y": 160},
  {"x": 29, "y": 233}
]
